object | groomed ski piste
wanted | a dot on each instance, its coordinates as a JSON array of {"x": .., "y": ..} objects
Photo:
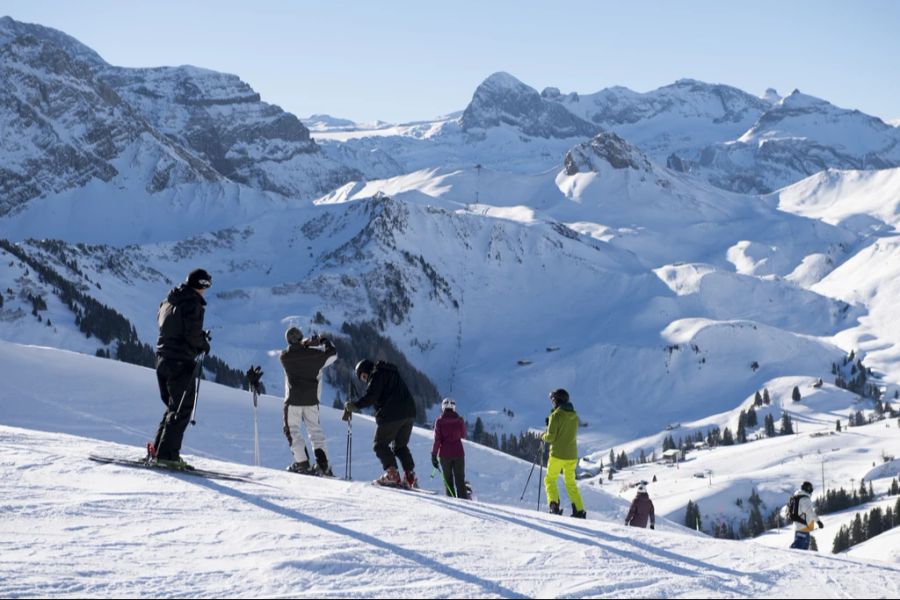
[{"x": 74, "y": 528}]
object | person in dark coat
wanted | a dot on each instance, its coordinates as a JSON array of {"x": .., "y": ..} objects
[
  {"x": 641, "y": 509},
  {"x": 395, "y": 413},
  {"x": 181, "y": 341},
  {"x": 447, "y": 453},
  {"x": 303, "y": 362}
]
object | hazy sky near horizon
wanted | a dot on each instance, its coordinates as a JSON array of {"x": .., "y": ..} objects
[{"x": 405, "y": 60}]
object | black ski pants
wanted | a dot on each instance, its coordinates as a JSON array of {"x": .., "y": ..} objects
[
  {"x": 392, "y": 443},
  {"x": 454, "y": 472},
  {"x": 176, "y": 389}
]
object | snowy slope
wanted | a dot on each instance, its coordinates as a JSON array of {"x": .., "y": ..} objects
[{"x": 77, "y": 528}]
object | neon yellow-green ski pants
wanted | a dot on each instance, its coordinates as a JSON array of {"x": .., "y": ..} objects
[{"x": 567, "y": 467}]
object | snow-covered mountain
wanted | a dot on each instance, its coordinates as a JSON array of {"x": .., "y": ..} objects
[
  {"x": 70, "y": 118},
  {"x": 532, "y": 241}
]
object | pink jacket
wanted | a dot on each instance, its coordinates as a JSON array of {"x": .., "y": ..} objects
[{"x": 449, "y": 432}]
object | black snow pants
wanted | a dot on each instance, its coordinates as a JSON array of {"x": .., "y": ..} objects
[
  {"x": 392, "y": 442},
  {"x": 176, "y": 389}
]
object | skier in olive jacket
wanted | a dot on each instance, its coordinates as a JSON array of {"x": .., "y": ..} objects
[
  {"x": 561, "y": 434},
  {"x": 181, "y": 341},
  {"x": 447, "y": 453},
  {"x": 303, "y": 361}
]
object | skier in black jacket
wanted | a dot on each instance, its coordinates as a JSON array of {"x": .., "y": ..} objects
[
  {"x": 395, "y": 412},
  {"x": 303, "y": 361},
  {"x": 181, "y": 341}
]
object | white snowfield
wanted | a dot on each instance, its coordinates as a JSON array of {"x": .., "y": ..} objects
[{"x": 74, "y": 528}]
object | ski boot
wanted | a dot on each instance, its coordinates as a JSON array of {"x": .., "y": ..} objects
[
  {"x": 555, "y": 509},
  {"x": 410, "y": 480},
  {"x": 322, "y": 467},
  {"x": 578, "y": 514},
  {"x": 151, "y": 453},
  {"x": 176, "y": 464},
  {"x": 301, "y": 468},
  {"x": 390, "y": 478}
]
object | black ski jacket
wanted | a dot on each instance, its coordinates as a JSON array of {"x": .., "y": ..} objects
[
  {"x": 302, "y": 368},
  {"x": 180, "y": 320},
  {"x": 389, "y": 395}
]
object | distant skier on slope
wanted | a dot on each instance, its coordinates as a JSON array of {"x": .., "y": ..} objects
[
  {"x": 181, "y": 341},
  {"x": 561, "y": 434},
  {"x": 303, "y": 361},
  {"x": 395, "y": 412},
  {"x": 641, "y": 509},
  {"x": 447, "y": 453},
  {"x": 802, "y": 512}
]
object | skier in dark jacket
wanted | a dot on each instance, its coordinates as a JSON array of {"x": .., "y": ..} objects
[
  {"x": 447, "y": 453},
  {"x": 181, "y": 341},
  {"x": 395, "y": 412},
  {"x": 303, "y": 361},
  {"x": 641, "y": 509}
]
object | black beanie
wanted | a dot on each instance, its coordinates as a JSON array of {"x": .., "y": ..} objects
[{"x": 199, "y": 279}]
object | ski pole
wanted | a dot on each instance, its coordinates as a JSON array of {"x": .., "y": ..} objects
[
  {"x": 348, "y": 456},
  {"x": 530, "y": 473},
  {"x": 540, "y": 477},
  {"x": 446, "y": 485},
  {"x": 254, "y": 376},
  {"x": 255, "y": 430},
  {"x": 184, "y": 394},
  {"x": 196, "y": 389}
]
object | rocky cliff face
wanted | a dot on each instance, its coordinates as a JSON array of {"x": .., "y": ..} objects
[{"x": 501, "y": 99}]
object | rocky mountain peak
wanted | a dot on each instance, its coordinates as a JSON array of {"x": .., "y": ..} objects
[
  {"x": 501, "y": 99},
  {"x": 603, "y": 151}
]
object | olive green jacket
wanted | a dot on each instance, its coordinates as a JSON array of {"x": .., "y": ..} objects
[{"x": 562, "y": 432}]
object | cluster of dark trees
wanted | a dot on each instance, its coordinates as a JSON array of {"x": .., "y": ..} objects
[
  {"x": 858, "y": 380},
  {"x": 111, "y": 328},
  {"x": 836, "y": 500},
  {"x": 866, "y": 526},
  {"x": 363, "y": 340}
]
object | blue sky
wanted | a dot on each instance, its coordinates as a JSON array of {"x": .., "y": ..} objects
[{"x": 402, "y": 61}]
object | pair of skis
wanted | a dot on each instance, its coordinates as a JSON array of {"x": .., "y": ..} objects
[{"x": 144, "y": 464}]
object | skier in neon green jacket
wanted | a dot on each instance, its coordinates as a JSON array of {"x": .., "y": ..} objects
[{"x": 561, "y": 434}]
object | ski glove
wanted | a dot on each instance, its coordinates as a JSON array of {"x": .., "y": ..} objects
[
  {"x": 254, "y": 376},
  {"x": 434, "y": 461},
  {"x": 351, "y": 407},
  {"x": 821, "y": 525},
  {"x": 287, "y": 434}
]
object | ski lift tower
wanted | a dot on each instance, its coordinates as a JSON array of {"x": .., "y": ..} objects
[{"x": 477, "y": 181}]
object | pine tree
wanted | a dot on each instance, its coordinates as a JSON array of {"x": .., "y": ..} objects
[
  {"x": 795, "y": 395},
  {"x": 478, "y": 433},
  {"x": 727, "y": 437},
  {"x": 751, "y": 417},
  {"x": 766, "y": 400},
  {"x": 857, "y": 532},
  {"x": 838, "y": 427},
  {"x": 742, "y": 429},
  {"x": 692, "y": 516},
  {"x": 770, "y": 426},
  {"x": 757, "y": 399},
  {"x": 787, "y": 426},
  {"x": 812, "y": 544}
]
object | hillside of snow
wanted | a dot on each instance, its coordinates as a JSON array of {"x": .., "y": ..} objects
[{"x": 75, "y": 528}]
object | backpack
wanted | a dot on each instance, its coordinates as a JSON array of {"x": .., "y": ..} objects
[{"x": 793, "y": 509}]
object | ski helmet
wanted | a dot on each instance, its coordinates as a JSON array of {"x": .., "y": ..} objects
[
  {"x": 807, "y": 487},
  {"x": 559, "y": 396},
  {"x": 293, "y": 336},
  {"x": 448, "y": 403},
  {"x": 642, "y": 488},
  {"x": 364, "y": 366},
  {"x": 199, "y": 279}
]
